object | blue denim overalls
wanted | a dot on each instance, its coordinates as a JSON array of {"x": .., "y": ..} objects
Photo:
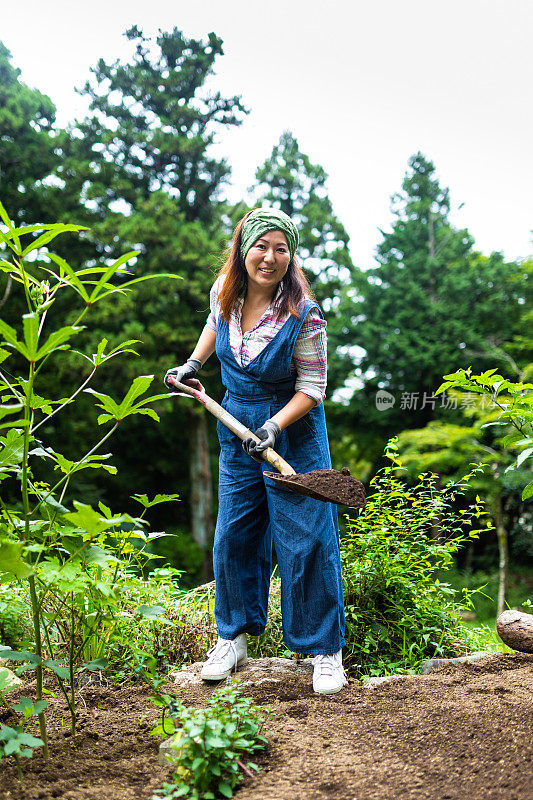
[{"x": 253, "y": 510}]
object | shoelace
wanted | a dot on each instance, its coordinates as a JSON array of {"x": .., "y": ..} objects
[
  {"x": 327, "y": 665},
  {"x": 217, "y": 653}
]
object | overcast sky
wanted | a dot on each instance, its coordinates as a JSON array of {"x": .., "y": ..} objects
[{"x": 362, "y": 86}]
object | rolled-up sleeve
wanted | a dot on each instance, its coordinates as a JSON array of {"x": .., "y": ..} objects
[
  {"x": 310, "y": 357},
  {"x": 211, "y": 321}
]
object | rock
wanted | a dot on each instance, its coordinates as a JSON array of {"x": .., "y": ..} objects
[
  {"x": 515, "y": 628},
  {"x": 11, "y": 680},
  {"x": 435, "y": 663},
  {"x": 255, "y": 672},
  {"x": 371, "y": 683},
  {"x": 168, "y": 753}
]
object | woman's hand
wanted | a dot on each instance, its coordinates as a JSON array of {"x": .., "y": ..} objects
[
  {"x": 184, "y": 374},
  {"x": 268, "y": 432}
]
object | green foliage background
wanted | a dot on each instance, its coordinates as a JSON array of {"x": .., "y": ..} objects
[{"x": 140, "y": 173}]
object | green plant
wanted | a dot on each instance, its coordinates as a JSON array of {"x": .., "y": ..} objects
[
  {"x": 14, "y": 615},
  {"x": 16, "y": 741},
  {"x": 515, "y": 401},
  {"x": 195, "y": 630},
  {"x": 399, "y": 607},
  {"x": 209, "y": 745},
  {"x": 71, "y": 561},
  {"x": 398, "y": 611}
]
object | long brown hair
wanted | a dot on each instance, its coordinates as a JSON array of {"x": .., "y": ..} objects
[{"x": 295, "y": 285}]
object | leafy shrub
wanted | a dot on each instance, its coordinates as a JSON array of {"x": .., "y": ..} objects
[
  {"x": 15, "y": 611},
  {"x": 194, "y": 628},
  {"x": 72, "y": 564},
  {"x": 514, "y": 399},
  {"x": 209, "y": 743},
  {"x": 16, "y": 741},
  {"x": 485, "y": 586},
  {"x": 398, "y": 612}
]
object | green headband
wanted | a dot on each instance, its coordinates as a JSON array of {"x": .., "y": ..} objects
[{"x": 268, "y": 219}]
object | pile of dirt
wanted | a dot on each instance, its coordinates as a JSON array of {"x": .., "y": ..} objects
[
  {"x": 462, "y": 731},
  {"x": 337, "y": 486}
]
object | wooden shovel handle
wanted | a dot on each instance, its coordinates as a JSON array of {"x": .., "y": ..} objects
[{"x": 234, "y": 425}]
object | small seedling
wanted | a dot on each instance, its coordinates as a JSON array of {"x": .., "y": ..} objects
[
  {"x": 209, "y": 745},
  {"x": 16, "y": 741}
]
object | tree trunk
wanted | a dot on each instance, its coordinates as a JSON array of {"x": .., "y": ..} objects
[
  {"x": 6, "y": 292},
  {"x": 516, "y": 629},
  {"x": 201, "y": 488},
  {"x": 469, "y": 557},
  {"x": 503, "y": 549},
  {"x": 435, "y": 531}
]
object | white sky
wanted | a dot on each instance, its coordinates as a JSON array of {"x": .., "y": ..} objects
[{"x": 362, "y": 86}]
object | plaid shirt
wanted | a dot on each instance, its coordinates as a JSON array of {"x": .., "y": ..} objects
[{"x": 309, "y": 360}]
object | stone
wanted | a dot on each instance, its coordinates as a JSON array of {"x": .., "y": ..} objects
[
  {"x": 435, "y": 663},
  {"x": 255, "y": 672},
  {"x": 515, "y": 628},
  {"x": 167, "y": 750},
  {"x": 11, "y": 680},
  {"x": 371, "y": 683}
]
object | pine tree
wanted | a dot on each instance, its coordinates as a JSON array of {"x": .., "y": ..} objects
[
  {"x": 290, "y": 181},
  {"x": 141, "y": 166},
  {"x": 27, "y": 146},
  {"x": 433, "y": 305}
]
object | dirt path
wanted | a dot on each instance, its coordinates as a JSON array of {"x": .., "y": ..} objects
[{"x": 462, "y": 732}]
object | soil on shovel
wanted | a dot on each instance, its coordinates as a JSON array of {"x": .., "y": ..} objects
[
  {"x": 337, "y": 486},
  {"x": 460, "y": 732}
]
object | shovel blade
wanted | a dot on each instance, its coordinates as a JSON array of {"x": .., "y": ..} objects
[{"x": 328, "y": 485}]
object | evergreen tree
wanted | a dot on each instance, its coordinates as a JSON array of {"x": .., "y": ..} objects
[
  {"x": 290, "y": 181},
  {"x": 141, "y": 167},
  {"x": 431, "y": 306},
  {"x": 27, "y": 146}
]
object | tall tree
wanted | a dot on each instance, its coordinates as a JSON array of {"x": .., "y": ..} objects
[
  {"x": 27, "y": 157},
  {"x": 432, "y": 303},
  {"x": 290, "y": 181},
  {"x": 141, "y": 164},
  {"x": 27, "y": 146},
  {"x": 151, "y": 129}
]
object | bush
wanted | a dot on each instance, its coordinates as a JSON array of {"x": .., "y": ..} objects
[
  {"x": 485, "y": 586},
  {"x": 15, "y": 613},
  {"x": 69, "y": 567},
  {"x": 398, "y": 612}
]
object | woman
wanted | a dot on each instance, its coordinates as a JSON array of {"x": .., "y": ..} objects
[{"x": 269, "y": 335}]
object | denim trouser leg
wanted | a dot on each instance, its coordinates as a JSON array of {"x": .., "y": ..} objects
[
  {"x": 307, "y": 548},
  {"x": 242, "y": 552}
]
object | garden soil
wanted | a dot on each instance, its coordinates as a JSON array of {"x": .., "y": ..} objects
[
  {"x": 464, "y": 731},
  {"x": 336, "y": 486}
]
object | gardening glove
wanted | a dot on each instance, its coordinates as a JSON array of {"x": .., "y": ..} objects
[
  {"x": 183, "y": 373},
  {"x": 267, "y": 433}
]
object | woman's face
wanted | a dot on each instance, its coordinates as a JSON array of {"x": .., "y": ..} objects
[{"x": 267, "y": 260}]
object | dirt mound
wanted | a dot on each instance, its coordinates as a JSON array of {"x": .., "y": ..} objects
[
  {"x": 461, "y": 731},
  {"x": 335, "y": 486}
]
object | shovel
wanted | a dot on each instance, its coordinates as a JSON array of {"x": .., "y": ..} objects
[{"x": 329, "y": 485}]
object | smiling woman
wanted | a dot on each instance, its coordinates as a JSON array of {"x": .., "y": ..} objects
[
  {"x": 270, "y": 337},
  {"x": 266, "y": 264}
]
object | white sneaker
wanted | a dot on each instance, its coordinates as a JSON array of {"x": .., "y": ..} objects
[
  {"x": 328, "y": 674},
  {"x": 224, "y": 658}
]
